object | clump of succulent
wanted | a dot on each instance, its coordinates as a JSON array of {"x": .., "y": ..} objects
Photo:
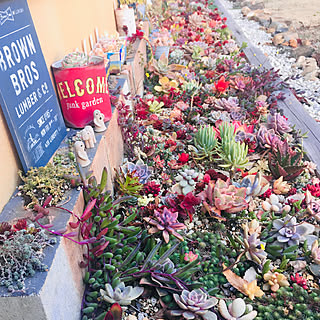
[
  {"x": 254, "y": 247},
  {"x": 21, "y": 254},
  {"x": 186, "y": 180},
  {"x": 155, "y": 106},
  {"x": 231, "y": 104},
  {"x": 194, "y": 304},
  {"x": 191, "y": 86},
  {"x": 233, "y": 154},
  {"x": 290, "y": 233},
  {"x": 278, "y": 123},
  {"x": 237, "y": 310},
  {"x": 284, "y": 161},
  {"x": 176, "y": 56},
  {"x": 166, "y": 222},
  {"x": 140, "y": 170},
  {"x": 228, "y": 197},
  {"x": 75, "y": 59},
  {"x": 120, "y": 294},
  {"x": 274, "y": 204},
  {"x": 267, "y": 138},
  {"x": 275, "y": 281},
  {"x": 128, "y": 183},
  {"x": 280, "y": 186},
  {"x": 255, "y": 185},
  {"x": 41, "y": 182},
  {"x": 205, "y": 142},
  {"x": 315, "y": 252}
]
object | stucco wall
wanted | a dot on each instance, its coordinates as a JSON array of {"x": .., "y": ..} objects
[{"x": 61, "y": 26}]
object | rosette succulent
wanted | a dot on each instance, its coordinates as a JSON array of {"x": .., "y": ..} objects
[
  {"x": 291, "y": 233},
  {"x": 266, "y": 138},
  {"x": 279, "y": 123},
  {"x": 166, "y": 221},
  {"x": 140, "y": 170},
  {"x": 237, "y": 310},
  {"x": 121, "y": 294},
  {"x": 186, "y": 180},
  {"x": 193, "y": 304},
  {"x": 75, "y": 59}
]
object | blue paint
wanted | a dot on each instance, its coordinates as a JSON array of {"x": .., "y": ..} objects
[{"x": 27, "y": 97}]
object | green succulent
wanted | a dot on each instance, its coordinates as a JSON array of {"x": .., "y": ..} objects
[
  {"x": 205, "y": 142},
  {"x": 155, "y": 106},
  {"x": 233, "y": 154},
  {"x": 128, "y": 183}
]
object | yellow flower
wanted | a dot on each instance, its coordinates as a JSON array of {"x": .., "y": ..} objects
[{"x": 147, "y": 74}]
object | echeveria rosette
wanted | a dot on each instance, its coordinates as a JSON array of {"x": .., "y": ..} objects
[
  {"x": 279, "y": 123},
  {"x": 167, "y": 223},
  {"x": 194, "y": 304},
  {"x": 290, "y": 233},
  {"x": 121, "y": 294},
  {"x": 237, "y": 310},
  {"x": 267, "y": 138},
  {"x": 140, "y": 170}
]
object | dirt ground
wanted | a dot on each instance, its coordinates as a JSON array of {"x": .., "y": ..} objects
[{"x": 303, "y": 14}]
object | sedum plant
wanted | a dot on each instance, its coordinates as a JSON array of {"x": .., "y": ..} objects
[
  {"x": 186, "y": 180},
  {"x": 237, "y": 310},
  {"x": 233, "y": 154},
  {"x": 194, "y": 304}
]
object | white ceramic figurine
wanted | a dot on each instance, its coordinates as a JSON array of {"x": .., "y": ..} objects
[
  {"x": 87, "y": 135},
  {"x": 98, "y": 120},
  {"x": 81, "y": 154}
]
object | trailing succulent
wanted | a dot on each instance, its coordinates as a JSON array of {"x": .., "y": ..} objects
[{"x": 284, "y": 161}]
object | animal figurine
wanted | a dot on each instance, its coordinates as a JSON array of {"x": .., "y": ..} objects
[
  {"x": 98, "y": 120},
  {"x": 87, "y": 135},
  {"x": 81, "y": 154}
]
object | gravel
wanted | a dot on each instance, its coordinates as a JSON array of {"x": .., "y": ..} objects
[{"x": 279, "y": 58}]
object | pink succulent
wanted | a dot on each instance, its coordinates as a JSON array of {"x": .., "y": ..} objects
[{"x": 190, "y": 256}]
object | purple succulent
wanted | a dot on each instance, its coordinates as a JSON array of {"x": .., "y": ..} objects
[
  {"x": 266, "y": 138},
  {"x": 231, "y": 104},
  {"x": 193, "y": 304},
  {"x": 290, "y": 233},
  {"x": 279, "y": 123},
  {"x": 167, "y": 223},
  {"x": 140, "y": 170}
]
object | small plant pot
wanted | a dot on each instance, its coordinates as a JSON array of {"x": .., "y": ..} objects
[
  {"x": 160, "y": 50},
  {"x": 125, "y": 17},
  {"x": 82, "y": 90}
]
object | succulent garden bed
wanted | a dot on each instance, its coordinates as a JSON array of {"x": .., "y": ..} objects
[{"x": 216, "y": 210}]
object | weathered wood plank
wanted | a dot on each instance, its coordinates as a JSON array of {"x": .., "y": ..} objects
[{"x": 291, "y": 107}]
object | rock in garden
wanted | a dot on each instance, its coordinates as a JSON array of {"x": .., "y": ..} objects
[
  {"x": 306, "y": 51},
  {"x": 293, "y": 43},
  {"x": 245, "y": 11},
  {"x": 279, "y": 26},
  {"x": 278, "y": 39}
]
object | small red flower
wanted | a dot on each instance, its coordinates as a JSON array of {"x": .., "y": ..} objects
[
  {"x": 183, "y": 158},
  {"x": 221, "y": 85}
]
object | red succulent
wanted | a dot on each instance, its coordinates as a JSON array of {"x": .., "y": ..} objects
[
  {"x": 221, "y": 85},
  {"x": 301, "y": 281},
  {"x": 183, "y": 158}
]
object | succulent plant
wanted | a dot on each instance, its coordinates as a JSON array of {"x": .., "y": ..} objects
[
  {"x": 140, "y": 170},
  {"x": 166, "y": 221},
  {"x": 274, "y": 204},
  {"x": 75, "y": 59},
  {"x": 290, "y": 233},
  {"x": 280, "y": 186},
  {"x": 120, "y": 294},
  {"x": 191, "y": 86},
  {"x": 256, "y": 185},
  {"x": 276, "y": 280},
  {"x": 186, "y": 181},
  {"x": 315, "y": 252},
  {"x": 284, "y": 161},
  {"x": 279, "y": 123},
  {"x": 155, "y": 106},
  {"x": 231, "y": 104},
  {"x": 233, "y": 154},
  {"x": 193, "y": 304},
  {"x": 228, "y": 197},
  {"x": 237, "y": 310},
  {"x": 205, "y": 142},
  {"x": 128, "y": 183},
  {"x": 254, "y": 247},
  {"x": 267, "y": 138},
  {"x": 176, "y": 56}
]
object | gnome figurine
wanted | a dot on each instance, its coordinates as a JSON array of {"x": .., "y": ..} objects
[
  {"x": 98, "y": 120},
  {"x": 87, "y": 135},
  {"x": 81, "y": 154}
]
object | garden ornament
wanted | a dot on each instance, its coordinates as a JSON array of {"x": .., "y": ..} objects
[
  {"x": 98, "y": 120},
  {"x": 81, "y": 154},
  {"x": 87, "y": 135}
]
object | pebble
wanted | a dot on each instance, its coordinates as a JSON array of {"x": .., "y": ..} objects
[{"x": 280, "y": 59}]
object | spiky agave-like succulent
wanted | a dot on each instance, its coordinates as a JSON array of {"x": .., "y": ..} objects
[
  {"x": 233, "y": 154},
  {"x": 193, "y": 304},
  {"x": 205, "y": 142},
  {"x": 167, "y": 223},
  {"x": 128, "y": 183},
  {"x": 284, "y": 161}
]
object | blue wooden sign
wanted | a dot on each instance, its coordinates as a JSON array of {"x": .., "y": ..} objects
[{"x": 27, "y": 97}]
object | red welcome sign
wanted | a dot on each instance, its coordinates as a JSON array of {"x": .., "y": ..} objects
[{"x": 82, "y": 90}]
